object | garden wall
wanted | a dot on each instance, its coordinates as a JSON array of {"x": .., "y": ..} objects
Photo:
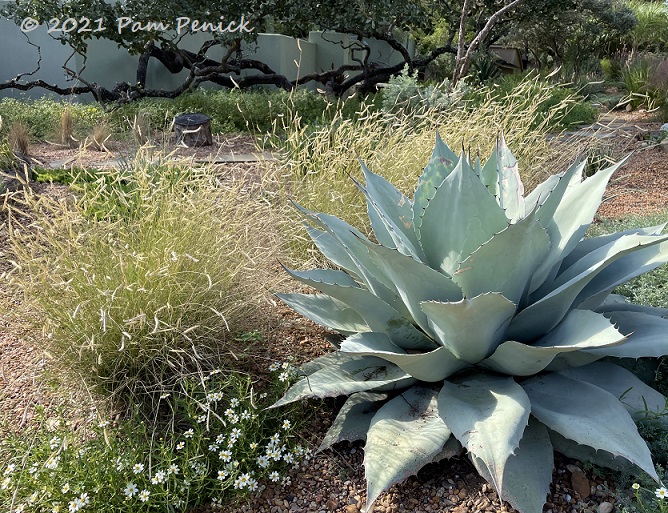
[{"x": 107, "y": 64}]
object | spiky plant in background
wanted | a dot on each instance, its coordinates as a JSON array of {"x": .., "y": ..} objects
[{"x": 480, "y": 321}]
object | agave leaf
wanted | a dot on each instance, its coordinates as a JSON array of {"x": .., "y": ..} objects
[
  {"x": 354, "y": 418},
  {"x": 625, "y": 268},
  {"x": 328, "y": 277},
  {"x": 528, "y": 473},
  {"x": 511, "y": 189},
  {"x": 443, "y": 160},
  {"x": 541, "y": 192},
  {"x": 330, "y": 359},
  {"x": 639, "y": 399},
  {"x": 332, "y": 249},
  {"x": 545, "y": 313},
  {"x": 377, "y": 314},
  {"x": 586, "y": 246},
  {"x": 573, "y": 450},
  {"x": 579, "y": 331},
  {"x": 362, "y": 374},
  {"x": 458, "y": 219},
  {"x": 613, "y": 305},
  {"x": 589, "y": 416},
  {"x": 451, "y": 449},
  {"x": 647, "y": 336},
  {"x": 571, "y": 218},
  {"x": 549, "y": 205},
  {"x": 470, "y": 329},
  {"x": 506, "y": 262},
  {"x": 415, "y": 282},
  {"x": 326, "y": 311},
  {"x": 487, "y": 415},
  {"x": 355, "y": 244},
  {"x": 391, "y": 214},
  {"x": 433, "y": 366},
  {"x": 405, "y": 435}
]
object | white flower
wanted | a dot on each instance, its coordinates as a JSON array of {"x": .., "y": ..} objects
[
  {"x": 234, "y": 402},
  {"x": 20, "y": 508},
  {"x": 103, "y": 424},
  {"x": 83, "y": 499},
  {"x": 225, "y": 455},
  {"x": 234, "y": 419},
  {"x": 230, "y": 442},
  {"x": 65, "y": 488},
  {"x": 52, "y": 462},
  {"x": 288, "y": 457},
  {"x": 158, "y": 478},
  {"x": 5, "y": 483},
  {"x": 236, "y": 433},
  {"x": 214, "y": 371},
  {"x": 635, "y": 486},
  {"x": 33, "y": 498},
  {"x": 54, "y": 443},
  {"x": 275, "y": 438},
  {"x": 173, "y": 469},
  {"x": 263, "y": 395},
  {"x": 274, "y": 476},
  {"x": 220, "y": 438},
  {"x": 274, "y": 367},
  {"x": 253, "y": 446},
  {"x": 10, "y": 468},
  {"x": 252, "y": 484},
  {"x": 201, "y": 418},
  {"x": 138, "y": 468},
  {"x": 263, "y": 461},
  {"x": 180, "y": 446},
  {"x": 222, "y": 475},
  {"x": 164, "y": 396},
  {"x": 284, "y": 376},
  {"x": 130, "y": 490},
  {"x": 229, "y": 412},
  {"x": 274, "y": 455},
  {"x": 143, "y": 495},
  {"x": 74, "y": 506},
  {"x": 56, "y": 507},
  {"x": 246, "y": 415},
  {"x": 286, "y": 424},
  {"x": 661, "y": 493},
  {"x": 213, "y": 447},
  {"x": 189, "y": 433}
]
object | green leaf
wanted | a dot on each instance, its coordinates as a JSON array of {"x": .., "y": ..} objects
[
  {"x": 580, "y": 330},
  {"x": 405, "y": 435},
  {"x": 354, "y": 419},
  {"x": 361, "y": 374},
  {"x": 433, "y": 366},
  {"x": 506, "y": 262},
  {"x": 572, "y": 216},
  {"x": 460, "y": 217},
  {"x": 557, "y": 298},
  {"x": 487, "y": 414},
  {"x": 443, "y": 160},
  {"x": 391, "y": 214},
  {"x": 586, "y": 246},
  {"x": 376, "y": 313},
  {"x": 415, "y": 282},
  {"x": 638, "y": 398},
  {"x": 470, "y": 329},
  {"x": 647, "y": 336},
  {"x": 528, "y": 474},
  {"x": 326, "y": 311},
  {"x": 589, "y": 416},
  {"x": 511, "y": 189}
]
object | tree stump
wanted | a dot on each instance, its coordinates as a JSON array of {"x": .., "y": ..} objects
[{"x": 193, "y": 129}]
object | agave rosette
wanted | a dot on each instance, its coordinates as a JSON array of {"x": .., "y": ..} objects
[{"x": 480, "y": 320}]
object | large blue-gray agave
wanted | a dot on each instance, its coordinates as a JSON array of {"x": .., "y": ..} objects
[{"x": 481, "y": 320}]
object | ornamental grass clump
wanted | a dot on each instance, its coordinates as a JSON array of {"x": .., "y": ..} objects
[
  {"x": 145, "y": 275},
  {"x": 481, "y": 320}
]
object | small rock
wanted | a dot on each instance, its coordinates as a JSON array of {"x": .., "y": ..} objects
[
  {"x": 629, "y": 107},
  {"x": 605, "y": 507},
  {"x": 580, "y": 484},
  {"x": 332, "y": 505},
  {"x": 351, "y": 508}
]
